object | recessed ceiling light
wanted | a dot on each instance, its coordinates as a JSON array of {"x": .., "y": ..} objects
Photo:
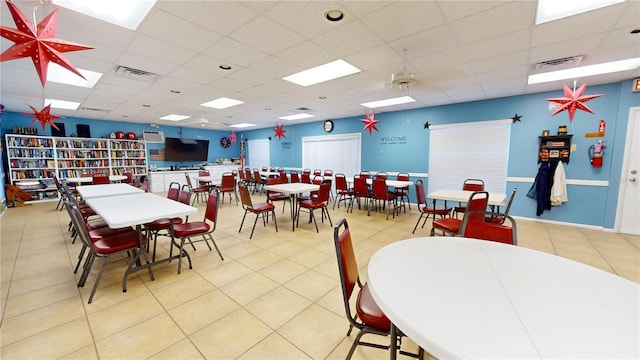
[
  {"x": 125, "y": 13},
  {"x": 549, "y": 10},
  {"x": 389, "y": 102},
  {"x": 174, "y": 117},
  {"x": 334, "y": 15},
  {"x": 333, "y": 70},
  {"x": 242, "y": 125},
  {"x": 61, "y": 104},
  {"x": 582, "y": 71},
  {"x": 58, "y": 74},
  {"x": 225, "y": 67},
  {"x": 296, "y": 116},
  {"x": 222, "y": 103}
]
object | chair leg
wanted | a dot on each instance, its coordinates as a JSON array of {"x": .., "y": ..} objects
[
  {"x": 254, "y": 225},
  {"x": 95, "y": 286},
  {"x": 418, "y": 222}
]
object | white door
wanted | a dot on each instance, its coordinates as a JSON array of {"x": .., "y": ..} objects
[
  {"x": 629, "y": 198},
  {"x": 259, "y": 154}
]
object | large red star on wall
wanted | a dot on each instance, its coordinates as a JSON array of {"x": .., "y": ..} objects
[
  {"x": 369, "y": 122},
  {"x": 279, "y": 130},
  {"x": 40, "y": 44},
  {"x": 573, "y": 100},
  {"x": 44, "y": 117}
]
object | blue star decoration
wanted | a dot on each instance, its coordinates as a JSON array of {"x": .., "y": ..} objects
[
  {"x": 426, "y": 125},
  {"x": 516, "y": 118}
]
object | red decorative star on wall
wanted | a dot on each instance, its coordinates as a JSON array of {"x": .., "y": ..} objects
[
  {"x": 44, "y": 117},
  {"x": 369, "y": 122},
  {"x": 279, "y": 130},
  {"x": 233, "y": 137},
  {"x": 573, "y": 100},
  {"x": 40, "y": 44}
]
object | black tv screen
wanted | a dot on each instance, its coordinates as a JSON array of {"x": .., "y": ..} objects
[{"x": 179, "y": 149}]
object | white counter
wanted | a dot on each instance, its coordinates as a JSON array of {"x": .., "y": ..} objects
[{"x": 159, "y": 180}]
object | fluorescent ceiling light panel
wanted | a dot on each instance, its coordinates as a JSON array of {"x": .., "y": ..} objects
[
  {"x": 296, "y": 116},
  {"x": 242, "y": 125},
  {"x": 333, "y": 70},
  {"x": 389, "y": 102},
  {"x": 583, "y": 71},
  {"x": 61, "y": 104},
  {"x": 549, "y": 10},
  {"x": 125, "y": 13},
  {"x": 222, "y": 103},
  {"x": 174, "y": 117},
  {"x": 58, "y": 74}
]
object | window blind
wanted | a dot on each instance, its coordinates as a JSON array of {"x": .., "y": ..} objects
[
  {"x": 340, "y": 153},
  {"x": 474, "y": 150},
  {"x": 259, "y": 154}
]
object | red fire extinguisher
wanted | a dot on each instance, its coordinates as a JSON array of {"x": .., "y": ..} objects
[{"x": 596, "y": 152}]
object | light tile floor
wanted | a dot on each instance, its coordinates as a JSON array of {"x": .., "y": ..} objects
[{"x": 276, "y": 296}]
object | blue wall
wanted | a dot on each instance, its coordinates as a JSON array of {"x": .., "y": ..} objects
[{"x": 588, "y": 204}]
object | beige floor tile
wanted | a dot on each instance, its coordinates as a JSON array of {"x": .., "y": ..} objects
[
  {"x": 283, "y": 271},
  {"x": 309, "y": 258},
  {"x": 86, "y": 353},
  {"x": 226, "y": 273},
  {"x": 278, "y": 306},
  {"x": 180, "y": 292},
  {"x": 315, "y": 331},
  {"x": 274, "y": 347},
  {"x": 312, "y": 285},
  {"x": 220, "y": 339},
  {"x": 202, "y": 311},
  {"x": 19, "y": 304},
  {"x": 249, "y": 288},
  {"x": 259, "y": 260},
  {"x": 183, "y": 350},
  {"x": 127, "y": 313}
]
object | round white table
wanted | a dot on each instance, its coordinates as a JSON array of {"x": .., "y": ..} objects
[{"x": 468, "y": 298}]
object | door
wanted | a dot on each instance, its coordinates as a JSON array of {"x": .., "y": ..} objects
[
  {"x": 628, "y": 200},
  {"x": 259, "y": 154}
]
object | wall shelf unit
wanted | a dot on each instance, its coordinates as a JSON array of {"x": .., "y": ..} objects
[
  {"x": 34, "y": 160},
  {"x": 555, "y": 147}
]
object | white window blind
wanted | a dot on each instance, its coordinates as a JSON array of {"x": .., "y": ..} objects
[
  {"x": 259, "y": 154},
  {"x": 475, "y": 150},
  {"x": 340, "y": 153}
]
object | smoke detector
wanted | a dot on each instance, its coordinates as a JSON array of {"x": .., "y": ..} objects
[
  {"x": 403, "y": 79},
  {"x": 201, "y": 120}
]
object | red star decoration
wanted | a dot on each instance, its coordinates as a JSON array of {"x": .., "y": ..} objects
[
  {"x": 279, "y": 130},
  {"x": 233, "y": 137},
  {"x": 41, "y": 44},
  {"x": 573, "y": 101},
  {"x": 44, "y": 117},
  {"x": 369, "y": 122}
]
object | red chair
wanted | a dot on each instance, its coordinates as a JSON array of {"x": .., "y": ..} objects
[
  {"x": 101, "y": 180},
  {"x": 497, "y": 218},
  {"x": 343, "y": 191},
  {"x": 360, "y": 190},
  {"x": 198, "y": 192},
  {"x": 477, "y": 202},
  {"x": 425, "y": 208},
  {"x": 365, "y": 174},
  {"x": 317, "y": 172},
  {"x": 258, "y": 209},
  {"x": 129, "y": 177},
  {"x": 469, "y": 185},
  {"x": 328, "y": 173},
  {"x": 319, "y": 202},
  {"x": 228, "y": 185},
  {"x": 382, "y": 175},
  {"x": 204, "y": 183},
  {"x": 380, "y": 193},
  {"x": 145, "y": 185},
  {"x": 284, "y": 179},
  {"x": 295, "y": 177},
  {"x": 204, "y": 228},
  {"x": 158, "y": 227},
  {"x": 403, "y": 191},
  {"x": 369, "y": 319},
  {"x": 258, "y": 180},
  {"x": 273, "y": 196},
  {"x": 488, "y": 230},
  {"x": 306, "y": 177}
]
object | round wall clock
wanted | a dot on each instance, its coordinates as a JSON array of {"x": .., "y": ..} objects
[
  {"x": 225, "y": 142},
  {"x": 328, "y": 126}
]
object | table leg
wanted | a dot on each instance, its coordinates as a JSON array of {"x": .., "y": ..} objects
[
  {"x": 136, "y": 260},
  {"x": 393, "y": 348},
  {"x": 294, "y": 208}
]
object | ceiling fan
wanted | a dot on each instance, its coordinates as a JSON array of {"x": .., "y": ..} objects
[{"x": 403, "y": 79}]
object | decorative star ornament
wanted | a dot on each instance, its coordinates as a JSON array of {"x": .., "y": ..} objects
[
  {"x": 233, "y": 137},
  {"x": 44, "y": 117},
  {"x": 279, "y": 132},
  {"x": 39, "y": 44},
  {"x": 516, "y": 118},
  {"x": 573, "y": 100},
  {"x": 426, "y": 125},
  {"x": 369, "y": 122}
]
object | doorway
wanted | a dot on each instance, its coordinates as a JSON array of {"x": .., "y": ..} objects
[{"x": 628, "y": 204}]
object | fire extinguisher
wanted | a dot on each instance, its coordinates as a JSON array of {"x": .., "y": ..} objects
[{"x": 596, "y": 152}]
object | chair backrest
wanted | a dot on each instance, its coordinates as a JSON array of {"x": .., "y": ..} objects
[
  {"x": 101, "y": 180},
  {"x": 306, "y": 178},
  {"x": 513, "y": 195},
  {"x": 490, "y": 231},
  {"x": 256, "y": 175},
  {"x": 347, "y": 264},
  {"x": 283, "y": 177},
  {"x": 318, "y": 179},
  {"x": 341, "y": 182},
  {"x": 241, "y": 174},
  {"x": 473, "y": 185},
  {"x": 476, "y": 206},
  {"x": 360, "y": 187},
  {"x": 145, "y": 185},
  {"x": 402, "y": 177},
  {"x": 186, "y": 175},
  {"x": 274, "y": 181},
  {"x": 245, "y": 197},
  {"x": 317, "y": 172},
  {"x": 174, "y": 191},
  {"x": 295, "y": 177},
  {"x": 328, "y": 172},
  {"x": 324, "y": 193},
  {"x": 420, "y": 195},
  {"x": 129, "y": 178},
  {"x": 185, "y": 194},
  {"x": 84, "y": 175},
  {"x": 382, "y": 175},
  {"x": 365, "y": 174},
  {"x": 264, "y": 168},
  {"x": 213, "y": 205},
  {"x": 379, "y": 188},
  {"x": 308, "y": 171},
  {"x": 203, "y": 173},
  {"x": 228, "y": 182},
  {"x": 247, "y": 175}
]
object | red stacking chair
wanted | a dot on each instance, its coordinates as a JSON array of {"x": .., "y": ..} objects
[
  {"x": 273, "y": 196},
  {"x": 425, "y": 208},
  {"x": 470, "y": 185},
  {"x": 489, "y": 230},
  {"x": 319, "y": 202},
  {"x": 343, "y": 191},
  {"x": 380, "y": 194},
  {"x": 477, "y": 202},
  {"x": 258, "y": 209},
  {"x": 228, "y": 185}
]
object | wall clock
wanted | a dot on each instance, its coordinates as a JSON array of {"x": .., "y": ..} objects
[
  {"x": 328, "y": 126},
  {"x": 225, "y": 142}
]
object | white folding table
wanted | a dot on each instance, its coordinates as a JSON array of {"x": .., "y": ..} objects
[
  {"x": 93, "y": 191},
  {"x": 293, "y": 189},
  {"x": 475, "y": 299}
]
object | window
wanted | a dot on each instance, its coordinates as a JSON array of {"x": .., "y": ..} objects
[{"x": 340, "y": 153}]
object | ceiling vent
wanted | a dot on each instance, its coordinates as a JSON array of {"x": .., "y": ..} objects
[
  {"x": 135, "y": 73},
  {"x": 151, "y": 136},
  {"x": 84, "y": 108},
  {"x": 559, "y": 64},
  {"x": 403, "y": 79}
]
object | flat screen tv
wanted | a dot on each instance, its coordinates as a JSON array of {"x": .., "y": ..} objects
[{"x": 179, "y": 149}]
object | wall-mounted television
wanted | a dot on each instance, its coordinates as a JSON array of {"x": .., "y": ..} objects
[{"x": 179, "y": 149}]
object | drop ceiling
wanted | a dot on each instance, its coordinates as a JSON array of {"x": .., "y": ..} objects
[{"x": 459, "y": 51}]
